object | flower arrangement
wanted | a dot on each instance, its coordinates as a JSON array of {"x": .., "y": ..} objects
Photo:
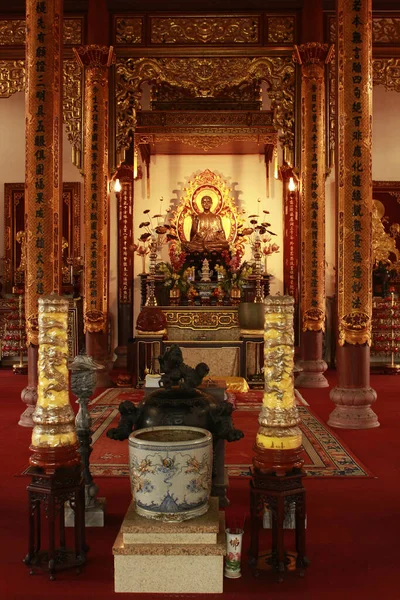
[
  {"x": 173, "y": 278},
  {"x": 259, "y": 234},
  {"x": 232, "y": 273}
]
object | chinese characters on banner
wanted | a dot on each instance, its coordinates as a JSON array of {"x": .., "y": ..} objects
[
  {"x": 91, "y": 275},
  {"x": 125, "y": 242},
  {"x": 313, "y": 193},
  {"x": 355, "y": 177},
  {"x": 290, "y": 250},
  {"x": 43, "y": 149}
]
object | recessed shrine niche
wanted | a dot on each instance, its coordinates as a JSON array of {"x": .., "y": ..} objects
[{"x": 179, "y": 137}]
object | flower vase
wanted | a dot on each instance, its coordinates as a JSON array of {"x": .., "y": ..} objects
[
  {"x": 235, "y": 295},
  {"x": 174, "y": 296},
  {"x": 143, "y": 264},
  {"x": 233, "y": 553}
]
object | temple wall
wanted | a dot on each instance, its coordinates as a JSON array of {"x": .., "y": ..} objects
[{"x": 385, "y": 135}]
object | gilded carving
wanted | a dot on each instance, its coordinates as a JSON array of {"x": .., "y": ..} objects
[
  {"x": 279, "y": 416},
  {"x": 128, "y": 31},
  {"x": 209, "y": 142},
  {"x": 386, "y": 71},
  {"x": 246, "y": 96},
  {"x": 72, "y": 108},
  {"x": 13, "y": 32},
  {"x": 332, "y": 29},
  {"x": 204, "y": 30},
  {"x": 280, "y": 30},
  {"x": 386, "y": 30},
  {"x": 53, "y": 416},
  {"x": 72, "y": 31},
  {"x": 202, "y": 319},
  {"x": 211, "y": 118},
  {"x": 12, "y": 77},
  {"x": 206, "y": 77}
]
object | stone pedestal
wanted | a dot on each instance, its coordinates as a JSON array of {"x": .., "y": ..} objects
[
  {"x": 94, "y": 515},
  {"x": 182, "y": 558}
]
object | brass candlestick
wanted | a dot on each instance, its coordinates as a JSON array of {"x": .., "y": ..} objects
[
  {"x": 259, "y": 296},
  {"x": 151, "y": 295}
]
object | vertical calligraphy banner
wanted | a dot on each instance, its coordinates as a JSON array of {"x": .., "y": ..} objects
[
  {"x": 354, "y": 96},
  {"x": 96, "y": 60},
  {"x": 312, "y": 57},
  {"x": 291, "y": 244},
  {"x": 125, "y": 235},
  {"x": 43, "y": 177},
  {"x": 125, "y": 263}
]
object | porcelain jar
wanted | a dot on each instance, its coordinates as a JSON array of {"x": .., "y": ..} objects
[{"x": 170, "y": 472}]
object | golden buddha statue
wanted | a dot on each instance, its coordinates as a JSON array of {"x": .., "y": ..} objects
[{"x": 207, "y": 232}]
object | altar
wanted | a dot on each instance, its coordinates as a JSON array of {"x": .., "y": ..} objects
[
  {"x": 216, "y": 261},
  {"x": 205, "y": 334}
]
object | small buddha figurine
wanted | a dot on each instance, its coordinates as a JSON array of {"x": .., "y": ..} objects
[{"x": 207, "y": 232}]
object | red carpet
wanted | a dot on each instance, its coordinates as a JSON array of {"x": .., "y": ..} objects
[
  {"x": 324, "y": 454},
  {"x": 352, "y": 527}
]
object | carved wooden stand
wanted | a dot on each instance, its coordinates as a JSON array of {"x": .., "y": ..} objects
[
  {"x": 278, "y": 493},
  {"x": 52, "y": 490}
]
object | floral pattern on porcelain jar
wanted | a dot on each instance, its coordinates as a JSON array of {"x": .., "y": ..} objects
[{"x": 171, "y": 470}]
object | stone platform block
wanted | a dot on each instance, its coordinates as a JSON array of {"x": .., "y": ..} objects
[{"x": 171, "y": 558}]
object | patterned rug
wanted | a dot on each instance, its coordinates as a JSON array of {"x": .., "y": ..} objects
[{"x": 325, "y": 455}]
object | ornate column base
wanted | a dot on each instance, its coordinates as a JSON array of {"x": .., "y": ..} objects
[
  {"x": 353, "y": 394},
  {"x": 121, "y": 361},
  {"x": 29, "y": 393},
  {"x": 312, "y": 366},
  {"x": 280, "y": 462},
  {"x": 50, "y": 459},
  {"x": 353, "y": 410},
  {"x": 312, "y": 374}
]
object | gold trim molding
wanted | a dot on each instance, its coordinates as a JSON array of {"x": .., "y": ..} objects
[
  {"x": 205, "y": 77},
  {"x": 202, "y": 319},
  {"x": 12, "y": 77},
  {"x": 72, "y": 108},
  {"x": 386, "y": 30},
  {"x": 280, "y": 30},
  {"x": 128, "y": 30},
  {"x": 13, "y": 32},
  {"x": 204, "y": 30},
  {"x": 386, "y": 71},
  {"x": 208, "y": 142}
]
